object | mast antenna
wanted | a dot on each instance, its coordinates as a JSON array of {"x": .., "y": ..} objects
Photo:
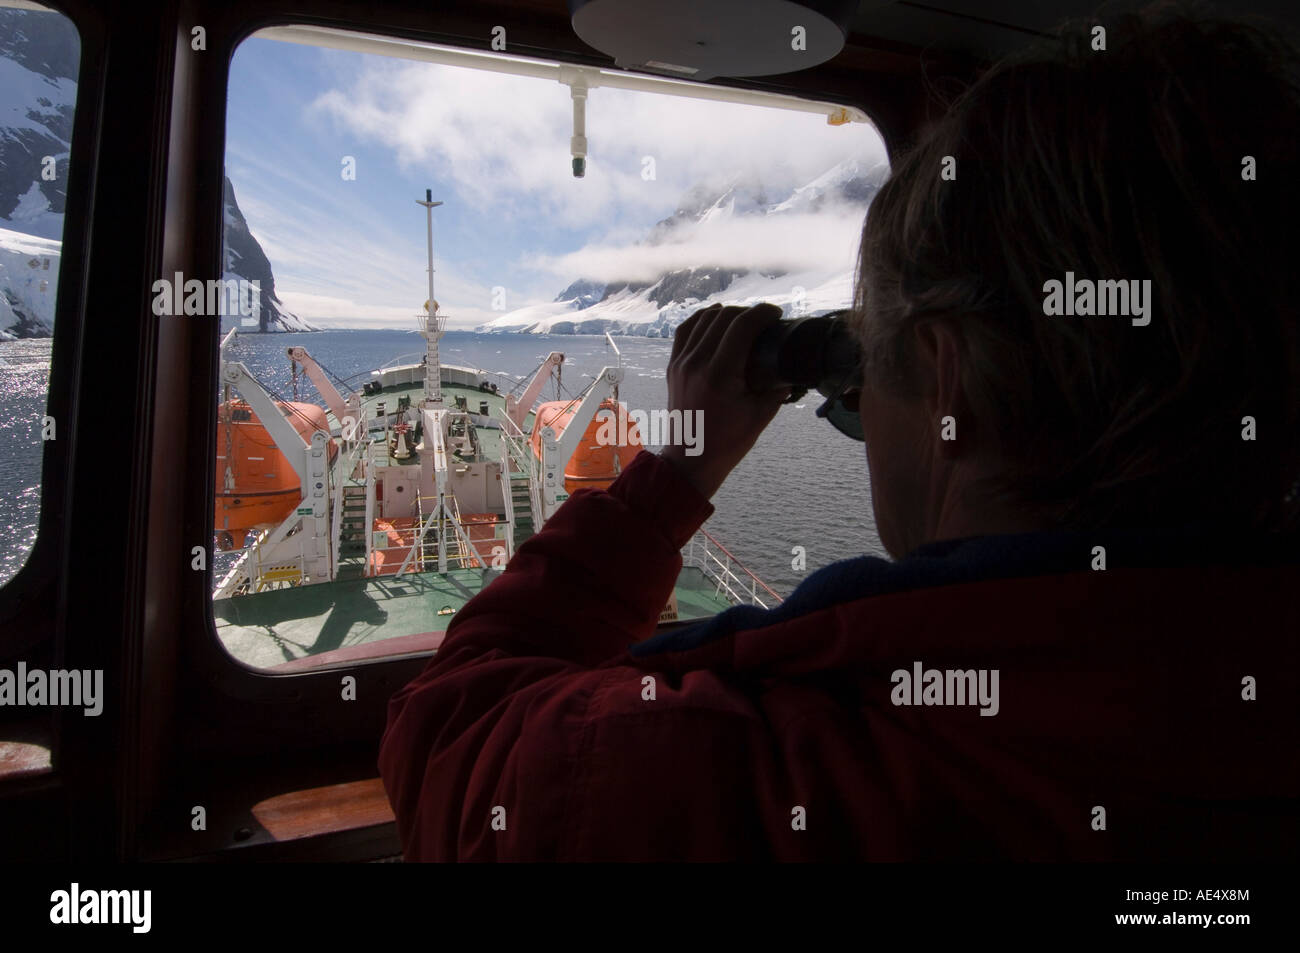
[{"x": 431, "y": 322}]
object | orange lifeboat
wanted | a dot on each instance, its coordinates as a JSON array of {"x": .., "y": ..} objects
[
  {"x": 595, "y": 463},
  {"x": 265, "y": 486}
]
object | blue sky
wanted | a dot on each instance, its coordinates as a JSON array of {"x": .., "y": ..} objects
[{"x": 495, "y": 149}]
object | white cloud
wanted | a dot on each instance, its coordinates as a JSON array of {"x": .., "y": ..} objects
[
  {"x": 461, "y": 318},
  {"x": 340, "y": 312},
  {"x": 504, "y": 140},
  {"x": 754, "y": 243},
  {"x": 330, "y": 311},
  {"x": 501, "y": 145},
  {"x": 328, "y": 263}
]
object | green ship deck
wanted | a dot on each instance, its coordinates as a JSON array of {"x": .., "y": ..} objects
[
  {"x": 489, "y": 437},
  {"x": 294, "y": 628},
  {"x": 357, "y": 617}
]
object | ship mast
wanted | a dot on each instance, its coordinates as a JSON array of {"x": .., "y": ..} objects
[{"x": 431, "y": 323}]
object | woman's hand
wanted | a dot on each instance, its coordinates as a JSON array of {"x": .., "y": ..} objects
[{"x": 706, "y": 373}]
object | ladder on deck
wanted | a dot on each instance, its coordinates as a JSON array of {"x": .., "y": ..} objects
[
  {"x": 522, "y": 506},
  {"x": 352, "y": 535}
]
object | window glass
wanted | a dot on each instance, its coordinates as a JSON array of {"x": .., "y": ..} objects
[
  {"x": 39, "y": 54},
  {"x": 355, "y": 513}
]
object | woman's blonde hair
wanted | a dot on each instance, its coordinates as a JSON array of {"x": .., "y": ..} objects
[{"x": 1132, "y": 163}]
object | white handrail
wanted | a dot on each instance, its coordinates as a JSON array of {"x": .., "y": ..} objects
[
  {"x": 343, "y": 467},
  {"x": 507, "y": 494},
  {"x": 468, "y": 550},
  {"x": 700, "y": 554},
  {"x": 227, "y": 581},
  {"x": 336, "y": 524},
  {"x": 370, "y": 503},
  {"x": 417, "y": 544},
  {"x": 528, "y": 463}
]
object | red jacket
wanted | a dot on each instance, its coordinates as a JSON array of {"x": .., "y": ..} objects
[{"x": 531, "y": 735}]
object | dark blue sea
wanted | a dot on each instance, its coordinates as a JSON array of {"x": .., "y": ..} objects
[{"x": 803, "y": 484}]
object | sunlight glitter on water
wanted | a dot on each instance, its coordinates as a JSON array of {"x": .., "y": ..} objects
[{"x": 24, "y": 382}]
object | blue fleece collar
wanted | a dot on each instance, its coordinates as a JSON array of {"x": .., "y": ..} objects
[{"x": 979, "y": 558}]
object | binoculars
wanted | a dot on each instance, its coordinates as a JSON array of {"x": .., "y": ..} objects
[{"x": 819, "y": 353}]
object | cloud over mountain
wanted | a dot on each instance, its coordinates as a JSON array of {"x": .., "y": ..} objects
[{"x": 735, "y": 242}]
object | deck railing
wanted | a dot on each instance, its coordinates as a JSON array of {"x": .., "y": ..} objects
[
  {"x": 228, "y": 582},
  {"x": 702, "y": 551},
  {"x": 726, "y": 571},
  {"x": 420, "y": 542},
  {"x": 508, "y": 497},
  {"x": 261, "y": 571},
  {"x": 518, "y": 451},
  {"x": 341, "y": 474}
]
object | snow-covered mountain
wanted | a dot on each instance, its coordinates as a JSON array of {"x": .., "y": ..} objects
[
  {"x": 39, "y": 53},
  {"x": 654, "y": 308},
  {"x": 38, "y": 62},
  {"x": 29, "y": 272},
  {"x": 38, "y": 89},
  {"x": 245, "y": 259}
]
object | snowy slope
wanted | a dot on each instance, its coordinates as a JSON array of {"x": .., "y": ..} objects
[
  {"x": 245, "y": 259},
  {"x": 38, "y": 63},
  {"x": 39, "y": 53},
  {"x": 29, "y": 275},
  {"x": 655, "y": 308},
  {"x": 850, "y": 181},
  {"x": 38, "y": 90}
]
